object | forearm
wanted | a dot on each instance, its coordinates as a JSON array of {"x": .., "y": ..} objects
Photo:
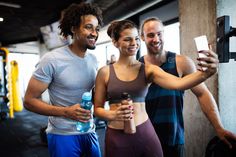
[
  {"x": 191, "y": 80},
  {"x": 209, "y": 107},
  {"x": 168, "y": 81},
  {"x": 38, "y": 106},
  {"x": 186, "y": 82},
  {"x": 104, "y": 114}
]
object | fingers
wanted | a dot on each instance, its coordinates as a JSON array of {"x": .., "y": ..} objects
[
  {"x": 227, "y": 142},
  {"x": 75, "y": 112},
  {"x": 124, "y": 102},
  {"x": 84, "y": 118},
  {"x": 210, "y": 46},
  {"x": 125, "y": 112},
  {"x": 209, "y": 54},
  {"x": 226, "y": 137},
  {"x": 83, "y": 115},
  {"x": 229, "y": 136},
  {"x": 209, "y": 62}
]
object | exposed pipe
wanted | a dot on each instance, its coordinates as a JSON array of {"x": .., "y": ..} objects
[
  {"x": 12, "y": 5},
  {"x": 103, "y": 4}
]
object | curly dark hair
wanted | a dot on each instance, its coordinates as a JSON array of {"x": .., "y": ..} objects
[
  {"x": 71, "y": 16},
  {"x": 116, "y": 27}
]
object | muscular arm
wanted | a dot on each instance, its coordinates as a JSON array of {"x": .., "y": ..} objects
[
  {"x": 208, "y": 106},
  {"x": 33, "y": 102},
  {"x": 205, "y": 98}
]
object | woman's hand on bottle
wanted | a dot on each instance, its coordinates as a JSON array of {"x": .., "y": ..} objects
[
  {"x": 125, "y": 111},
  {"x": 75, "y": 112}
]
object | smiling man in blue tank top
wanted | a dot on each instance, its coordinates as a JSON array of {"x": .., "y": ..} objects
[{"x": 165, "y": 107}]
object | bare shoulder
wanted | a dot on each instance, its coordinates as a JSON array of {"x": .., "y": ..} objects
[
  {"x": 103, "y": 70},
  {"x": 103, "y": 74},
  {"x": 185, "y": 65},
  {"x": 183, "y": 59}
]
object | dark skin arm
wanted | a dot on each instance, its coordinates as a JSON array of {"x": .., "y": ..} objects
[{"x": 33, "y": 102}]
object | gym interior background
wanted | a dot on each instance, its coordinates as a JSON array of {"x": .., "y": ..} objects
[{"x": 23, "y": 33}]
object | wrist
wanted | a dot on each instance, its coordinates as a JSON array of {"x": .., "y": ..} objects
[
  {"x": 219, "y": 130},
  {"x": 205, "y": 75},
  {"x": 113, "y": 115},
  {"x": 65, "y": 111}
]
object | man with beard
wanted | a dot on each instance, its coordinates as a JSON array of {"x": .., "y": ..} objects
[
  {"x": 67, "y": 73},
  {"x": 165, "y": 107}
]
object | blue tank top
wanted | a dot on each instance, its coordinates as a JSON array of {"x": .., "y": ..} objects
[
  {"x": 165, "y": 107},
  {"x": 137, "y": 88}
]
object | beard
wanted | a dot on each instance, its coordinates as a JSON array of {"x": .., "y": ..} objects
[
  {"x": 88, "y": 45},
  {"x": 91, "y": 47},
  {"x": 155, "y": 50}
]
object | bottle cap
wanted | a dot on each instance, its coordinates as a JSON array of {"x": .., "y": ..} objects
[
  {"x": 87, "y": 96},
  {"x": 125, "y": 95}
]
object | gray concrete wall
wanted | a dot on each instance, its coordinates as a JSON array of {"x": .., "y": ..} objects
[
  {"x": 227, "y": 71},
  {"x": 197, "y": 18}
]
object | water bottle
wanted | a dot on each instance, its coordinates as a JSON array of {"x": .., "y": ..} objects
[
  {"x": 87, "y": 104},
  {"x": 129, "y": 126}
]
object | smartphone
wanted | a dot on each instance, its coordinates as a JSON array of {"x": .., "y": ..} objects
[{"x": 201, "y": 44}]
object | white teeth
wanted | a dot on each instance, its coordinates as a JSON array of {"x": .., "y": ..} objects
[
  {"x": 157, "y": 45},
  {"x": 132, "y": 49}
]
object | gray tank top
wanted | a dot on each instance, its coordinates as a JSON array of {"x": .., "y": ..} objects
[{"x": 137, "y": 88}]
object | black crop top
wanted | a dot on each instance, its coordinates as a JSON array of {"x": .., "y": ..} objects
[{"x": 137, "y": 88}]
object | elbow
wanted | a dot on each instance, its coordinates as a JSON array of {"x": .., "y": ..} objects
[
  {"x": 96, "y": 112},
  {"x": 26, "y": 104}
]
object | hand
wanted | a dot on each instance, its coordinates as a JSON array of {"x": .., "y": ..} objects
[
  {"x": 125, "y": 111},
  {"x": 77, "y": 113},
  {"x": 225, "y": 135},
  {"x": 210, "y": 62}
]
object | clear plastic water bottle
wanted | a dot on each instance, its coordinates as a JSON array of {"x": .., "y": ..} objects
[{"x": 86, "y": 104}]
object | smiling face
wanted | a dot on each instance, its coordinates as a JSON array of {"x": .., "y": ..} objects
[
  {"x": 152, "y": 35},
  {"x": 87, "y": 34},
  {"x": 128, "y": 42}
]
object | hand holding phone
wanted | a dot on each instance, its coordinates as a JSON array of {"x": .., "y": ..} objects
[{"x": 201, "y": 44}]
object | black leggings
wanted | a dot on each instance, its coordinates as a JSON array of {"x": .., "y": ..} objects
[{"x": 144, "y": 143}]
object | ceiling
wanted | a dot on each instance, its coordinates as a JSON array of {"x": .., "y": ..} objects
[{"x": 23, "y": 19}]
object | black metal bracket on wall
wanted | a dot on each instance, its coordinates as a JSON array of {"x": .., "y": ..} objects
[{"x": 224, "y": 32}]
